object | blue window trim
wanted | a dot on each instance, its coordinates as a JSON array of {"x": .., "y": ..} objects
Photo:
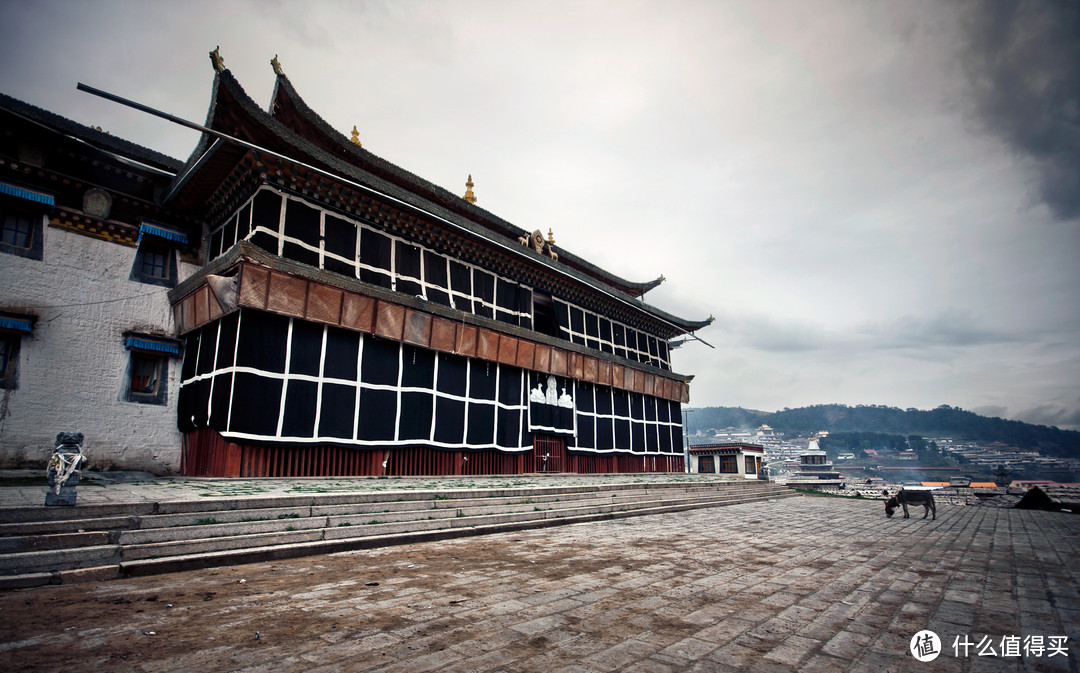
[
  {"x": 17, "y": 323},
  {"x": 27, "y": 193},
  {"x": 162, "y": 231},
  {"x": 145, "y": 342}
]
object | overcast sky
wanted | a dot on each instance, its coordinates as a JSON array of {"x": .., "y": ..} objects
[{"x": 878, "y": 201}]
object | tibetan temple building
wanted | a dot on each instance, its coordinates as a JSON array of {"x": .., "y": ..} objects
[{"x": 287, "y": 303}]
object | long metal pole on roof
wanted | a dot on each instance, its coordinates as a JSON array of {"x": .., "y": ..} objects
[{"x": 251, "y": 146}]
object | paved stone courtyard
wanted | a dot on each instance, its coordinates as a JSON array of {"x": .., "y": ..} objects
[{"x": 807, "y": 584}]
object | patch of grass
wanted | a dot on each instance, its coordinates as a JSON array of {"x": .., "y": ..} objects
[
  {"x": 291, "y": 528},
  {"x": 208, "y": 521},
  {"x": 375, "y": 522},
  {"x": 294, "y": 515},
  {"x": 344, "y": 523}
]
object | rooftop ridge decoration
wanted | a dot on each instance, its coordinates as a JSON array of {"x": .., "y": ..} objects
[
  {"x": 276, "y": 65},
  {"x": 355, "y": 140},
  {"x": 216, "y": 60},
  {"x": 469, "y": 196}
]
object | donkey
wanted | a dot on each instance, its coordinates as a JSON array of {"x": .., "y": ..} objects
[{"x": 903, "y": 498}]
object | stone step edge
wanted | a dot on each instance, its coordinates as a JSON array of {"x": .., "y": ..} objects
[
  {"x": 41, "y": 513},
  {"x": 145, "y": 567}
]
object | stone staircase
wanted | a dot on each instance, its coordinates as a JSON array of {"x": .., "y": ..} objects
[{"x": 61, "y": 545}]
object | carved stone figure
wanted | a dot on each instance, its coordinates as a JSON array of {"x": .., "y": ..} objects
[
  {"x": 537, "y": 394},
  {"x": 536, "y": 242},
  {"x": 565, "y": 400},
  {"x": 552, "y": 396}
]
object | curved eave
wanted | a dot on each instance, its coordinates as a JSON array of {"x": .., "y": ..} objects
[
  {"x": 289, "y": 108},
  {"x": 233, "y": 112}
]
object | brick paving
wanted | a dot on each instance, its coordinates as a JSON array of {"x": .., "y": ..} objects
[{"x": 808, "y": 584}]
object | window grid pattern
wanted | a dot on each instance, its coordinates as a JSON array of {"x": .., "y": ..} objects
[
  {"x": 589, "y": 329},
  {"x": 293, "y": 228},
  {"x": 608, "y": 419}
]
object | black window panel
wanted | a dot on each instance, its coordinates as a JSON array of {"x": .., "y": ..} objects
[
  {"x": 415, "y": 416},
  {"x": 562, "y": 317},
  {"x": 219, "y": 401},
  {"x": 544, "y": 314},
  {"x": 481, "y": 428},
  {"x": 653, "y": 348},
  {"x": 378, "y": 413},
  {"x": 506, "y": 295},
  {"x": 604, "y": 439},
  {"x": 302, "y": 222},
  {"x": 652, "y": 441},
  {"x": 586, "y": 432},
  {"x": 665, "y": 439},
  {"x": 407, "y": 260},
  {"x": 185, "y": 408},
  {"x": 339, "y": 237},
  {"x": 453, "y": 374},
  {"x": 577, "y": 321},
  {"x": 226, "y": 348},
  {"x": 676, "y": 438},
  {"x": 255, "y": 405},
  {"x": 592, "y": 325},
  {"x": 375, "y": 251},
  {"x": 583, "y": 399},
  {"x": 342, "y": 350},
  {"x": 675, "y": 412},
  {"x": 483, "y": 291},
  {"x": 299, "y": 253},
  {"x": 506, "y": 317},
  {"x": 637, "y": 407},
  {"x": 650, "y": 408},
  {"x": 662, "y": 411},
  {"x": 605, "y": 330},
  {"x": 622, "y": 402},
  {"x": 200, "y": 403},
  {"x": 435, "y": 270},
  {"x": 603, "y": 400},
  {"x": 482, "y": 376},
  {"x": 300, "y": 402},
  {"x": 438, "y": 296},
  {"x": 215, "y": 244},
  {"x": 243, "y": 223},
  {"x": 208, "y": 348},
  {"x": 622, "y": 434},
  {"x": 637, "y": 437},
  {"x": 460, "y": 278},
  {"x": 417, "y": 368},
  {"x": 509, "y": 430},
  {"x": 266, "y": 210},
  {"x": 191, "y": 355},
  {"x": 509, "y": 385},
  {"x": 618, "y": 337},
  {"x": 409, "y": 287},
  {"x": 380, "y": 362},
  {"x": 664, "y": 354},
  {"x": 449, "y": 420},
  {"x": 267, "y": 242},
  {"x": 228, "y": 235},
  {"x": 338, "y": 408},
  {"x": 306, "y": 348},
  {"x": 631, "y": 343},
  {"x": 337, "y": 266}
]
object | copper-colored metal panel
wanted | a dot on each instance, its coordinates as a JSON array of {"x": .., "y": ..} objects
[
  {"x": 558, "y": 361},
  {"x": 178, "y": 317},
  {"x": 542, "y": 358},
  {"x": 212, "y": 305},
  {"x": 603, "y": 375},
  {"x": 466, "y": 340},
  {"x": 685, "y": 397},
  {"x": 288, "y": 295},
  {"x": 650, "y": 384},
  {"x": 418, "y": 328},
  {"x": 358, "y": 312},
  {"x": 442, "y": 335},
  {"x": 254, "y": 283},
  {"x": 525, "y": 352},
  {"x": 618, "y": 377},
  {"x": 389, "y": 320},
  {"x": 202, "y": 311},
  {"x": 324, "y": 304},
  {"x": 508, "y": 350},
  {"x": 487, "y": 346},
  {"x": 639, "y": 382},
  {"x": 590, "y": 368},
  {"x": 662, "y": 387},
  {"x": 629, "y": 376}
]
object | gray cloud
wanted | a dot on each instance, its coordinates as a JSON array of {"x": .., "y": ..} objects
[
  {"x": 1023, "y": 60},
  {"x": 1051, "y": 414}
]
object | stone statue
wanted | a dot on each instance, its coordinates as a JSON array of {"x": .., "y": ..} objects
[
  {"x": 552, "y": 396},
  {"x": 536, "y": 242},
  {"x": 537, "y": 394},
  {"x": 565, "y": 400}
]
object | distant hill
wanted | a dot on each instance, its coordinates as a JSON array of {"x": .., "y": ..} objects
[{"x": 942, "y": 421}]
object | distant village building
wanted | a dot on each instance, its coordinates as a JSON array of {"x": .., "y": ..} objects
[
  {"x": 815, "y": 470},
  {"x": 291, "y": 304},
  {"x": 744, "y": 460}
]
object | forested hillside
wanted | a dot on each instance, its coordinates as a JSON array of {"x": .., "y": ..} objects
[{"x": 942, "y": 421}]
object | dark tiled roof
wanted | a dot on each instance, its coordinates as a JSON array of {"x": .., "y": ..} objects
[
  {"x": 90, "y": 135},
  {"x": 230, "y": 103}
]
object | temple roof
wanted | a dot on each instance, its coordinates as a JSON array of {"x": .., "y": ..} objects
[{"x": 296, "y": 132}]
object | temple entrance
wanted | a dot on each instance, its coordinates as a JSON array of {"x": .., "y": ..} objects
[{"x": 549, "y": 453}]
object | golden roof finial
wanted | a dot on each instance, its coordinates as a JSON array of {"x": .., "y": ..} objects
[
  {"x": 216, "y": 59},
  {"x": 469, "y": 196},
  {"x": 276, "y": 65},
  {"x": 551, "y": 237},
  {"x": 355, "y": 137}
]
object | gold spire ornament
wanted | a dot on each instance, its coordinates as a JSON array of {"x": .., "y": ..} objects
[
  {"x": 355, "y": 137},
  {"x": 216, "y": 59},
  {"x": 469, "y": 196},
  {"x": 276, "y": 65},
  {"x": 551, "y": 237}
]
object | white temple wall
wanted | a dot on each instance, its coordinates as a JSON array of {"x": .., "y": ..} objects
[{"x": 73, "y": 371}]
